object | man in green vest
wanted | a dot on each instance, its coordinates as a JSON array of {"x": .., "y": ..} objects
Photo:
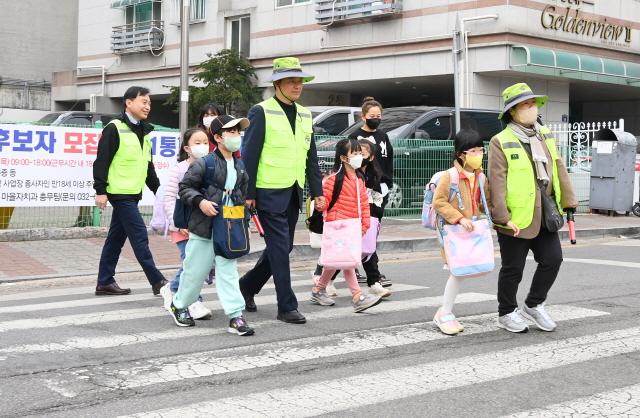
[
  {"x": 279, "y": 154},
  {"x": 530, "y": 189},
  {"x": 122, "y": 168}
]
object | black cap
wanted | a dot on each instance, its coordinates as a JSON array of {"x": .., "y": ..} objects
[{"x": 227, "y": 121}]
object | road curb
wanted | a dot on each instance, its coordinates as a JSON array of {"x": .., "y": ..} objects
[{"x": 305, "y": 252}]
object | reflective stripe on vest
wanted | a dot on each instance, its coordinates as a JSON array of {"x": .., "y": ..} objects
[
  {"x": 521, "y": 180},
  {"x": 283, "y": 160},
  {"x": 128, "y": 169}
]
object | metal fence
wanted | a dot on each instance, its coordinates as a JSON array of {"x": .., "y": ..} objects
[{"x": 415, "y": 161}]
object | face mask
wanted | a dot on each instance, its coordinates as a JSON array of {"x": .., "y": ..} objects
[
  {"x": 474, "y": 162},
  {"x": 373, "y": 123},
  {"x": 199, "y": 150},
  {"x": 356, "y": 161},
  {"x": 366, "y": 162},
  {"x": 232, "y": 143},
  {"x": 527, "y": 116},
  {"x": 206, "y": 121}
]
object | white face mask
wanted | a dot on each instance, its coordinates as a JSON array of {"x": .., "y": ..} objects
[
  {"x": 355, "y": 161},
  {"x": 232, "y": 142},
  {"x": 527, "y": 116},
  {"x": 206, "y": 121},
  {"x": 199, "y": 150}
]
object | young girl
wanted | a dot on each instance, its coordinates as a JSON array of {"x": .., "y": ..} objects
[
  {"x": 373, "y": 180},
  {"x": 205, "y": 196},
  {"x": 372, "y": 116},
  {"x": 208, "y": 113},
  {"x": 341, "y": 193},
  {"x": 468, "y": 155},
  {"x": 195, "y": 144}
]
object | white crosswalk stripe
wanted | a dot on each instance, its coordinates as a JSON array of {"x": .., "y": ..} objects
[
  {"x": 398, "y": 383},
  {"x": 623, "y": 402}
]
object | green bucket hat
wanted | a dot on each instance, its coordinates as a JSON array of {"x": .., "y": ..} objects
[
  {"x": 289, "y": 67},
  {"x": 519, "y": 93}
]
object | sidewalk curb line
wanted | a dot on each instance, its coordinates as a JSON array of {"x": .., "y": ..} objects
[{"x": 304, "y": 251}]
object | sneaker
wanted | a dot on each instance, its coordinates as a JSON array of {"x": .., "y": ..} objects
[
  {"x": 362, "y": 302},
  {"x": 198, "y": 310},
  {"x": 513, "y": 322},
  {"x": 361, "y": 279},
  {"x": 167, "y": 296},
  {"x": 239, "y": 326},
  {"x": 181, "y": 317},
  {"x": 377, "y": 290},
  {"x": 320, "y": 297},
  {"x": 331, "y": 290},
  {"x": 539, "y": 316},
  {"x": 447, "y": 323},
  {"x": 384, "y": 281}
]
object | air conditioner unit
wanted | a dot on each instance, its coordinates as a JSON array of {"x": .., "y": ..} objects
[{"x": 330, "y": 11}]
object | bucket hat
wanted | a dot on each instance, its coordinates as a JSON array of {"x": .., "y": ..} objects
[
  {"x": 519, "y": 93},
  {"x": 286, "y": 67}
]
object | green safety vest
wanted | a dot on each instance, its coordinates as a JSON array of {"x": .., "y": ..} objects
[
  {"x": 521, "y": 179},
  {"x": 128, "y": 169},
  {"x": 283, "y": 160}
]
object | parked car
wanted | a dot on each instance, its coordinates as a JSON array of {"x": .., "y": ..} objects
[
  {"x": 421, "y": 142},
  {"x": 331, "y": 120},
  {"x": 85, "y": 119}
]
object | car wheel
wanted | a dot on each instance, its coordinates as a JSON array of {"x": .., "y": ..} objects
[{"x": 395, "y": 197}]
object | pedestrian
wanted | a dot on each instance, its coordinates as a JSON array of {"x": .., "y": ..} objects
[
  {"x": 345, "y": 190},
  {"x": 195, "y": 145},
  {"x": 525, "y": 172},
  {"x": 208, "y": 113},
  {"x": 280, "y": 154},
  {"x": 204, "y": 196},
  {"x": 372, "y": 116},
  {"x": 468, "y": 156},
  {"x": 122, "y": 168}
]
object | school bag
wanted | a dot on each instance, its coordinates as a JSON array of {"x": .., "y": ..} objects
[
  {"x": 430, "y": 217},
  {"x": 159, "y": 220}
]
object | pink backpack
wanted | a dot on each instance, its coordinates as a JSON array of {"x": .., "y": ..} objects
[{"x": 429, "y": 214}]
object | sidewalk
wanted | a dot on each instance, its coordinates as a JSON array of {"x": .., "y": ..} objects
[{"x": 41, "y": 259}]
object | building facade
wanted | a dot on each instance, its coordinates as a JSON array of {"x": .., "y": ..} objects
[{"x": 584, "y": 54}]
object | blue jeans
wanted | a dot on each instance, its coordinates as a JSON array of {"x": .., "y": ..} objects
[{"x": 126, "y": 222}]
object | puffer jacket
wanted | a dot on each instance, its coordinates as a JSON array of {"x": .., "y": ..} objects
[
  {"x": 171, "y": 190},
  {"x": 192, "y": 192},
  {"x": 346, "y": 205}
]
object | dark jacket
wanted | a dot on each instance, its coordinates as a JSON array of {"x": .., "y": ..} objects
[
  {"x": 192, "y": 192},
  {"x": 107, "y": 148},
  {"x": 374, "y": 193},
  {"x": 275, "y": 200}
]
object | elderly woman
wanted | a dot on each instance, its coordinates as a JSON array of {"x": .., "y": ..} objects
[{"x": 530, "y": 189}]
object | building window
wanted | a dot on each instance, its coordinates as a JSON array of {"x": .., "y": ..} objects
[
  {"x": 143, "y": 13},
  {"x": 285, "y": 3},
  {"x": 197, "y": 11},
  {"x": 238, "y": 34}
]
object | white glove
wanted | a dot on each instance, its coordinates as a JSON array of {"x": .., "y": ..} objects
[{"x": 385, "y": 189}]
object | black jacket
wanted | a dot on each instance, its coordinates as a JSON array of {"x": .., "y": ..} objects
[
  {"x": 384, "y": 152},
  {"x": 192, "y": 192},
  {"x": 107, "y": 148}
]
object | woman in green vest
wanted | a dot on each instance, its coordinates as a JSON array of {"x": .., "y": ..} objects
[{"x": 527, "y": 174}]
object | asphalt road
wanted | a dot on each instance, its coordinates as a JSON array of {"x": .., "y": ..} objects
[{"x": 64, "y": 352}]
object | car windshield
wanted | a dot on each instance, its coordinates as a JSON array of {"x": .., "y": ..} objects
[
  {"x": 49, "y": 119},
  {"x": 314, "y": 114},
  {"x": 392, "y": 119}
]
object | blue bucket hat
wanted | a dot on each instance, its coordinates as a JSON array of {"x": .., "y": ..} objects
[{"x": 287, "y": 67}]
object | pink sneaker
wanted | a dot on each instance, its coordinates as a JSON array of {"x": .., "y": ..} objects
[{"x": 447, "y": 323}]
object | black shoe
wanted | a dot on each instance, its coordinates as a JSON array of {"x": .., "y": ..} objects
[
  {"x": 293, "y": 317},
  {"x": 361, "y": 279},
  {"x": 249, "y": 303},
  {"x": 384, "y": 281},
  {"x": 111, "y": 289},
  {"x": 182, "y": 317},
  {"x": 157, "y": 286}
]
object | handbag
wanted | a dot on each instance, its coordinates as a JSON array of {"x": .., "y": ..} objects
[
  {"x": 551, "y": 217},
  {"x": 370, "y": 239},
  {"x": 342, "y": 241},
  {"x": 230, "y": 230},
  {"x": 470, "y": 253}
]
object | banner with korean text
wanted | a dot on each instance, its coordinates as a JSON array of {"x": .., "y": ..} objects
[{"x": 53, "y": 166}]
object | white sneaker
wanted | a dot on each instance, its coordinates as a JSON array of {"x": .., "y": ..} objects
[
  {"x": 378, "y": 290},
  {"x": 167, "y": 296},
  {"x": 539, "y": 316},
  {"x": 197, "y": 310},
  {"x": 331, "y": 290},
  {"x": 513, "y": 322}
]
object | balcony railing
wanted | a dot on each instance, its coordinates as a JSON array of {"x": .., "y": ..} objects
[
  {"x": 138, "y": 37},
  {"x": 329, "y": 11}
]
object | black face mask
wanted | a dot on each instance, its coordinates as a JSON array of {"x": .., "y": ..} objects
[
  {"x": 373, "y": 123},
  {"x": 366, "y": 162}
]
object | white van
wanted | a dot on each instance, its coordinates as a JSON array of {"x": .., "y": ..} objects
[{"x": 331, "y": 120}]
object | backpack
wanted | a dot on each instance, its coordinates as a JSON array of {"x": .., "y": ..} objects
[
  {"x": 159, "y": 220},
  {"x": 182, "y": 212},
  {"x": 429, "y": 214}
]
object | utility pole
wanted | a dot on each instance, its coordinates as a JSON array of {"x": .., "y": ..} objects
[
  {"x": 184, "y": 66},
  {"x": 456, "y": 71}
]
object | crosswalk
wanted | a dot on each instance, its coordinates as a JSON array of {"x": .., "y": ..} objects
[{"x": 68, "y": 353}]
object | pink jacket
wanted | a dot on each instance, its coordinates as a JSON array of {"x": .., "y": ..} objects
[{"x": 171, "y": 190}]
